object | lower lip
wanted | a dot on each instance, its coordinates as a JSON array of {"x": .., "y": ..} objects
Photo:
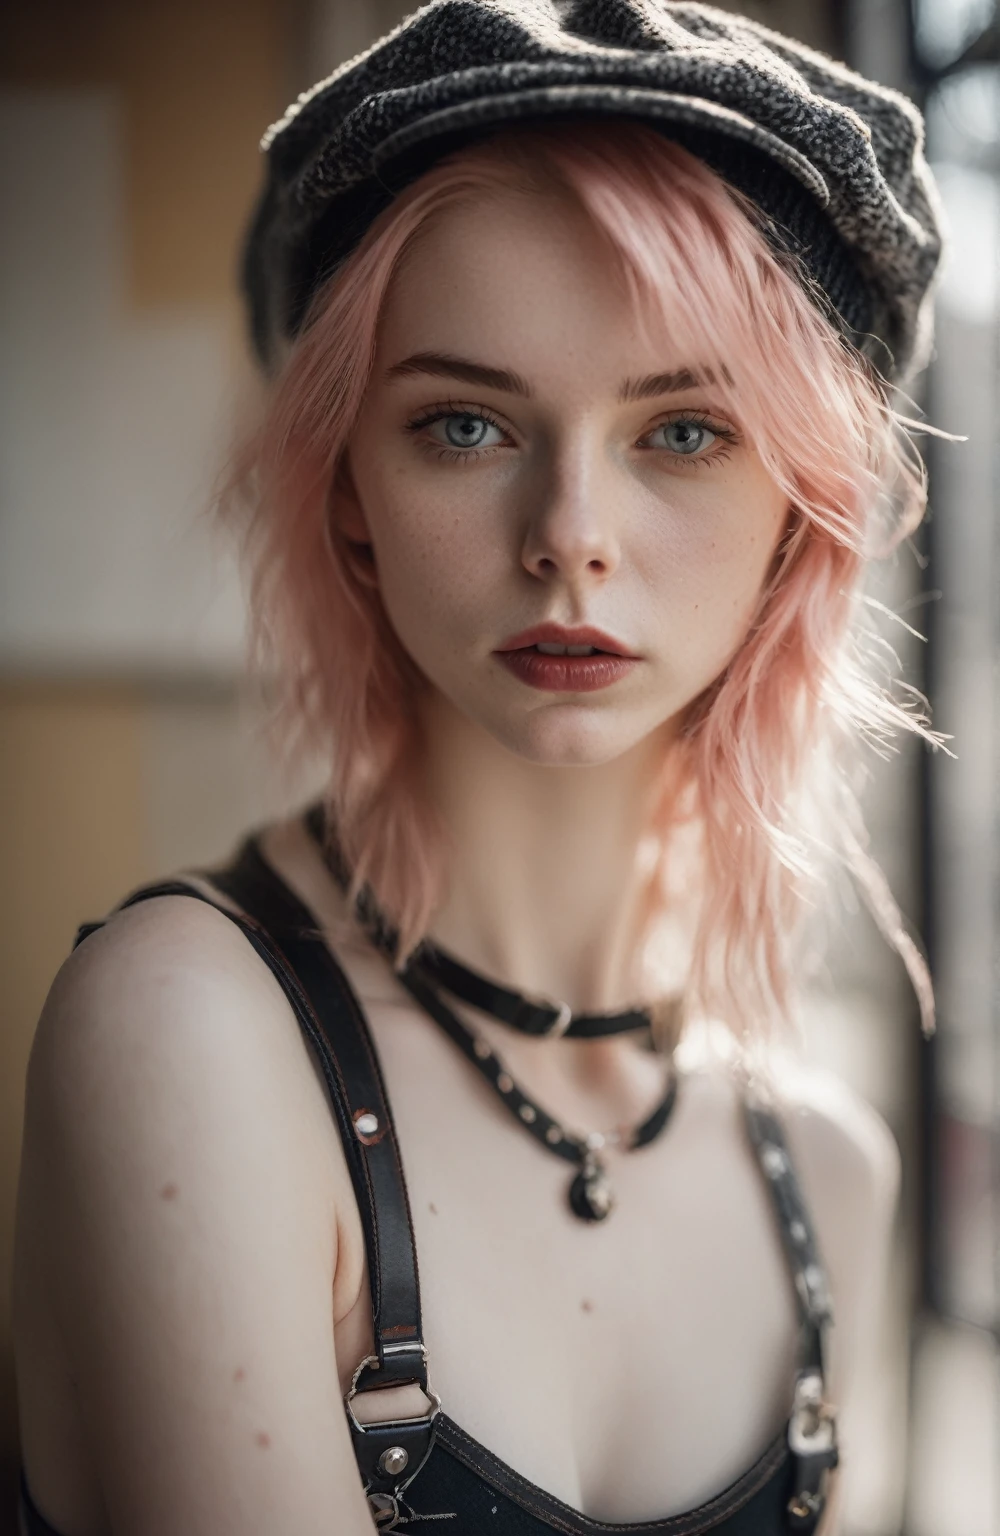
[{"x": 567, "y": 674}]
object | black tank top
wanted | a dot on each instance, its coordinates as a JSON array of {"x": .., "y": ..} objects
[{"x": 429, "y": 1469}]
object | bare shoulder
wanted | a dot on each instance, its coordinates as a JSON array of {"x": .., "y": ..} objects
[
  {"x": 842, "y": 1147},
  {"x": 165, "y": 1009},
  {"x": 848, "y": 1166},
  {"x": 179, "y": 1234},
  {"x": 845, "y": 1149},
  {"x": 165, "y": 1028},
  {"x": 150, "y": 956}
]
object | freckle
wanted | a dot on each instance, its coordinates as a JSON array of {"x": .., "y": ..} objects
[
  {"x": 168, "y": 1192},
  {"x": 432, "y": 1208},
  {"x": 239, "y": 1374},
  {"x": 586, "y": 1306},
  {"x": 262, "y": 1440}
]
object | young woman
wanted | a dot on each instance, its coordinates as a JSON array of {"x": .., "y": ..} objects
[{"x": 574, "y": 453}]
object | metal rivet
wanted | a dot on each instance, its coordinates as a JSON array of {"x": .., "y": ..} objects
[
  {"x": 553, "y": 1134},
  {"x": 774, "y": 1161},
  {"x": 393, "y": 1461},
  {"x": 366, "y": 1124},
  {"x": 481, "y": 1049},
  {"x": 527, "y": 1114},
  {"x": 505, "y": 1082},
  {"x": 798, "y": 1232}
]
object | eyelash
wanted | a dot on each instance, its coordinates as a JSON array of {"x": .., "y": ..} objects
[
  {"x": 727, "y": 437},
  {"x": 441, "y": 413}
]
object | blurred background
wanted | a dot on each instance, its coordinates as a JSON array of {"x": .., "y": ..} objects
[{"x": 130, "y": 740}]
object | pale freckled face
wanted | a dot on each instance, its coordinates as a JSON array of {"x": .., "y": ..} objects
[{"x": 649, "y": 518}]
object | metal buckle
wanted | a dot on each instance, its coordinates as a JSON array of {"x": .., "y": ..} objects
[
  {"x": 812, "y": 1440},
  {"x": 562, "y": 1020},
  {"x": 418, "y": 1418},
  {"x": 812, "y": 1428},
  {"x": 537, "y": 1002},
  {"x": 385, "y": 1511}
]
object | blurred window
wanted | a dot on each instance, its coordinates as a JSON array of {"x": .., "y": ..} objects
[{"x": 958, "y": 65}]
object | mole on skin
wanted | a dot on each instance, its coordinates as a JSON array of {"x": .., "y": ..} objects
[
  {"x": 239, "y": 1374},
  {"x": 586, "y": 1306},
  {"x": 168, "y": 1192},
  {"x": 263, "y": 1440}
]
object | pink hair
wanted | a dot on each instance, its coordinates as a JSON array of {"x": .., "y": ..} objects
[{"x": 758, "y": 770}]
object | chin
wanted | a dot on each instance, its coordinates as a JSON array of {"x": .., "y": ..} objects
[{"x": 569, "y": 735}]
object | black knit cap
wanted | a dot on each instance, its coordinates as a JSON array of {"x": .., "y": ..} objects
[{"x": 833, "y": 163}]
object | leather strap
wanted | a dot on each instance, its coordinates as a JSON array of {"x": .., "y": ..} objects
[
  {"x": 812, "y": 1432},
  {"x": 286, "y": 936},
  {"x": 529, "y": 1015},
  {"x": 373, "y": 1154}
]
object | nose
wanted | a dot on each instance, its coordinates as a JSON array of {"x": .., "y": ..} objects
[{"x": 572, "y": 533}]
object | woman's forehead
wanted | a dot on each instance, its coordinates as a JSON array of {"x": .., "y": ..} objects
[
  {"x": 526, "y": 285},
  {"x": 488, "y": 249}
]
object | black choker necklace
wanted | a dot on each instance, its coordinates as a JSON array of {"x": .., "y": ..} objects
[
  {"x": 529, "y": 1015},
  {"x": 540, "y": 1016},
  {"x": 591, "y": 1196}
]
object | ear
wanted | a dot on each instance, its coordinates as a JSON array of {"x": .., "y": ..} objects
[{"x": 346, "y": 515}]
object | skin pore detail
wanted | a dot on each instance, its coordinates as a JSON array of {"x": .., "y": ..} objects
[{"x": 529, "y": 452}]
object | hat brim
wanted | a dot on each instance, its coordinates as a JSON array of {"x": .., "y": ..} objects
[
  {"x": 789, "y": 192},
  {"x": 671, "y": 108}
]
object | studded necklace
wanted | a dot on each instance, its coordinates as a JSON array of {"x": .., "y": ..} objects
[{"x": 590, "y": 1195}]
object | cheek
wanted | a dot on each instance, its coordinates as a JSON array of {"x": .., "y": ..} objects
[
  {"x": 436, "y": 553},
  {"x": 708, "y": 567}
]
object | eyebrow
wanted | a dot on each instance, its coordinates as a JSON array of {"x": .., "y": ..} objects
[
  {"x": 664, "y": 384},
  {"x": 444, "y": 365}
]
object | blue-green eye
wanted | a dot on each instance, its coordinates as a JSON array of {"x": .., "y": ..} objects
[
  {"x": 686, "y": 437},
  {"x": 466, "y": 430}
]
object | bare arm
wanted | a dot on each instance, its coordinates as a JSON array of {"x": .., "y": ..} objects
[{"x": 179, "y": 1201}]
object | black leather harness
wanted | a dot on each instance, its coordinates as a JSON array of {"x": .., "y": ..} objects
[{"x": 391, "y": 1452}]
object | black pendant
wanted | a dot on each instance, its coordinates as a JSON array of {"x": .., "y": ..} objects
[{"x": 591, "y": 1196}]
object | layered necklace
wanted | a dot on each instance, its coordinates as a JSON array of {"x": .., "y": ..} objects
[{"x": 431, "y": 970}]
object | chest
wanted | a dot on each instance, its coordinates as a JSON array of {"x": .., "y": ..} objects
[{"x": 632, "y": 1367}]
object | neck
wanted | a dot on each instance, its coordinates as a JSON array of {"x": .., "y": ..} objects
[{"x": 545, "y": 887}]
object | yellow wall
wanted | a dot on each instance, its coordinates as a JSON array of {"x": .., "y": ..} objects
[{"x": 69, "y": 844}]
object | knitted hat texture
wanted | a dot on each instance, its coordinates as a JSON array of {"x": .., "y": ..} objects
[{"x": 833, "y": 163}]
